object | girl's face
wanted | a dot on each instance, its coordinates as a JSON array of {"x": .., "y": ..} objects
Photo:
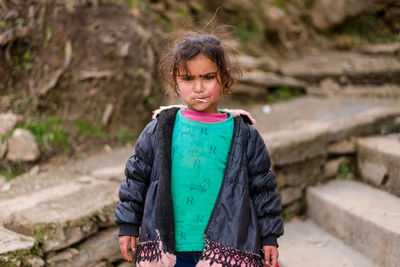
[{"x": 199, "y": 88}]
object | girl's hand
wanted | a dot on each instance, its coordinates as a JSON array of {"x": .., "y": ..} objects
[
  {"x": 271, "y": 255},
  {"x": 124, "y": 242}
]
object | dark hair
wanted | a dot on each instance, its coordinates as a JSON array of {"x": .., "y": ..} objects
[{"x": 189, "y": 46}]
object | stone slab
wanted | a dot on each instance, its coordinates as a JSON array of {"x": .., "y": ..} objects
[
  {"x": 304, "y": 244},
  {"x": 62, "y": 206},
  {"x": 386, "y": 90},
  {"x": 18, "y": 250},
  {"x": 378, "y": 160},
  {"x": 12, "y": 242},
  {"x": 303, "y": 128},
  {"x": 365, "y": 218},
  {"x": 353, "y": 66},
  {"x": 103, "y": 246},
  {"x": 270, "y": 79},
  {"x": 63, "y": 215}
]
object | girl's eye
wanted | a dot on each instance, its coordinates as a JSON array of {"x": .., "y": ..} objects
[
  {"x": 209, "y": 77},
  {"x": 186, "y": 78}
]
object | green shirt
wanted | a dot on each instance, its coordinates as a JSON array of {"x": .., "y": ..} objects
[{"x": 199, "y": 155}]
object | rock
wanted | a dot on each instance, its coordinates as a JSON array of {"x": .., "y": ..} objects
[
  {"x": 66, "y": 255},
  {"x": 290, "y": 194},
  {"x": 5, "y": 187},
  {"x": 252, "y": 90},
  {"x": 384, "y": 90},
  {"x": 34, "y": 170},
  {"x": 22, "y": 146},
  {"x": 269, "y": 79},
  {"x": 123, "y": 49},
  {"x": 328, "y": 13},
  {"x": 125, "y": 264},
  {"x": 346, "y": 146},
  {"x": 110, "y": 173},
  {"x": 331, "y": 167},
  {"x": 381, "y": 48},
  {"x": 327, "y": 86},
  {"x": 359, "y": 215},
  {"x": 249, "y": 63},
  {"x": 11, "y": 241},
  {"x": 3, "y": 148},
  {"x": 3, "y": 180},
  {"x": 7, "y": 122},
  {"x": 17, "y": 250},
  {"x": 302, "y": 174},
  {"x": 36, "y": 262},
  {"x": 294, "y": 208},
  {"x": 93, "y": 251},
  {"x": 61, "y": 213},
  {"x": 378, "y": 160},
  {"x": 302, "y": 129},
  {"x": 107, "y": 114},
  {"x": 305, "y": 244},
  {"x": 274, "y": 17},
  {"x": 356, "y": 67}
]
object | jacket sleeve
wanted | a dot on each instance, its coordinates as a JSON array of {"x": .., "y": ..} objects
[
  {"x": 132, "y": 192},
  {"x": 262, "y": 190}
]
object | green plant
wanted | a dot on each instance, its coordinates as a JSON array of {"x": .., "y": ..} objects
[
  {"x": 388, "y": 38},
  {"x": 87, "y": 129},
  {"x": 19, "y": 22},
  {"x": 49, "y": 133},
  {"x": 27, "y": 60},
  {"x": 282, "y": 93},
  {"x": 280, "y": 4},
  {"x": 286, "y": 215},
  {"x": 241, "y": 33},
  {"x": 125, "y": 136},
  {"x": 344, "y": 172},
  {"x": 9, "y": 170},
  {"x": 49, "y": 33}
]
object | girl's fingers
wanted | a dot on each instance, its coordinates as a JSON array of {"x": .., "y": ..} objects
[
  {"x": 123, "y": 246},
  {"x": 267, "y": 256},
  {"x": 133, "y": 243}
]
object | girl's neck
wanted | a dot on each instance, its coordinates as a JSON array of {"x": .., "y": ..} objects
[{"x": 204, "y": 117}]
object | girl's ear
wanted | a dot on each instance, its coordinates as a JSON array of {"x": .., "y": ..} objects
[{"x": 229, "y": 71}]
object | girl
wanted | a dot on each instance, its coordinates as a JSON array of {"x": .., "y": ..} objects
[{"x": 199, "y": 185}]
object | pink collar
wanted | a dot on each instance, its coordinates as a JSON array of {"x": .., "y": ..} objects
[{"x": 204, "y": 117}]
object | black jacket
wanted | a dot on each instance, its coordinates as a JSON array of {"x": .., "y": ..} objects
[{"x": 246, "y": 214}]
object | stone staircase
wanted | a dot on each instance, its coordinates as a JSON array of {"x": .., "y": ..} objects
[
  {"x": 63, "y": 216},
  {"x": 356, "y": 221}
]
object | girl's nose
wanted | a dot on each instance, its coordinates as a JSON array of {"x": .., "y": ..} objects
[{"x": 198, "y": 86}]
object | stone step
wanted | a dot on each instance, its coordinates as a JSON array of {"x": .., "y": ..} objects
[
  {"x": 365, "y": 218},
  {"x": 345, "y": 66},
  {"x": 104, "y": 246},
  {"x": 378, "y": 160},
  {"x": 63, "y": 206},
  {"x": 303, "y": 128},
  {"x": 17, "y": 250},
  {"x": 304, "y": 244},
  {"x": 385, "y": 90}
]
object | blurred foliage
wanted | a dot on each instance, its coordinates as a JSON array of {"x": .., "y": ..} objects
[
  {"x": 125, "y": 136},
  {"x": 87, "y": 129},
  {"x": 283, "y": 93},
  {"x": 344, "y": 172},
  {"x": 50, "y": 134}
]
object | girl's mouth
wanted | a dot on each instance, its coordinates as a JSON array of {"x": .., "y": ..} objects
[{"x": 200, "y": 100}]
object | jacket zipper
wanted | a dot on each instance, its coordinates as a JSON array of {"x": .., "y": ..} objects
[{"x": 228, "y": 163}]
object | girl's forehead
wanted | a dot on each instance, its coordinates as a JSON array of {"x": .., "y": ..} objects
[{"x": 198, "y": 65}]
